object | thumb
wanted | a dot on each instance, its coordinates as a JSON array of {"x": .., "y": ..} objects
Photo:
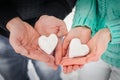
[
  {"x": 65, "y": 45},
  {"x": 62, "y": 31},
  {"x": 58, "y": 52}
]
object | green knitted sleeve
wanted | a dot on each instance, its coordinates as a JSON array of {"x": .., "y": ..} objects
[
  {"x": 113, "y": 20},
  {"x": 85, "y": 14},
  {"x": 114, "y": 27}
]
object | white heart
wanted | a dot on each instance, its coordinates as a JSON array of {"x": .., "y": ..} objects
[
  {"x": 48, "y": 44},
  {"x": 77, "y": 49}
]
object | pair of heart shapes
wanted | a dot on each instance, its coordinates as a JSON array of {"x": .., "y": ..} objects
[{"x": 48, "y": 45}]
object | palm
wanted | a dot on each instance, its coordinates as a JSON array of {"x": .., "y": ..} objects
[
  {"x": 84, "y": 35},
  {"x": 98, "y": 44},
  {"x": 25, "y": 35},
  {"x": 24, "y": 41}
]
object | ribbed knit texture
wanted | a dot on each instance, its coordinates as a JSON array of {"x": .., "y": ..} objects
[
  {"x": 85, "y": 14},
  {"x": 107, "y": 13},
  {"x": 114, "y": 27},
  {"x": 112, "y": 55}
]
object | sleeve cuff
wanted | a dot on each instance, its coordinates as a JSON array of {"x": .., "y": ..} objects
[
  {"x": 84, "y": 22},
  {"x": 85, "y": 14},
  {"x": 114, "y": 27}
]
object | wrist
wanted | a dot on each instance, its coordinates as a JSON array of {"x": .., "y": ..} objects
[
  {"x": 13, "y": 23},
  {"x": 84, "y": 28},
  {"x": 106, "y": 33}
]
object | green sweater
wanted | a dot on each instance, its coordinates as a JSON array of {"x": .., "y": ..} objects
[{"x": 98, "y": 14}]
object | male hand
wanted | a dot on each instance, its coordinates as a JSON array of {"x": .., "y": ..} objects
[
  {"x": 50, "y": 24},
  {"x": 70, "y": 64},
  {"x": 24, "y": 40}
]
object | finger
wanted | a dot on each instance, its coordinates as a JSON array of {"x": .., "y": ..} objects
[
  {"x": 75, "y": 67},
  {"x": 58, "y": 52},
  {"x": 17, "y": 46},
  {"x": 52, "y": 63},
  {"x": 51, "y": 30},
  {"x": 69, "y": 69},
  {"x": 73, "y": 61},
  {"x": 66, "y": 44},
  {"x": 62, "y": 29},
  {"x": 55, "y": 67},
  {"x": 81, "y": 66},
  {"x": 34, "y": 42},
  {"x": 65, "y": 69},
  {"x": 67, "y": 53}
]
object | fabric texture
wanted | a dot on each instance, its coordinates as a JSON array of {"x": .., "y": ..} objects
[{"x": 98, "y": 14}]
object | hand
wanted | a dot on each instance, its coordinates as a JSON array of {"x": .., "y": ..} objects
[
  {"x": 24, "y": 38},
  {"x": 72, "y": 66},
  {"x": 98, "y": 44},
  {"x": 84, "y": 34},
  {"x": 49, "y": 24}
]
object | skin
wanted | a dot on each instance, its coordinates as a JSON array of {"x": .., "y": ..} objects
[
  {"x": 50, "y": 24},
  {"x": 24, "y": 38},
  {"x": 100, "y": 40},
  {"x": 84, "y": 34},
  {"x": 96, "y": 49}
]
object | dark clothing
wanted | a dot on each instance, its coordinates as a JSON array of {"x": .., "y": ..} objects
[{"x": 31, "y": 10}]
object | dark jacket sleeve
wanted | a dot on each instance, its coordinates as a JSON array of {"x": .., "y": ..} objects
[
  {"x": 31, "y": 10},
  {"x": 7, "y": 12},
  {"x": 59, "y": 8}
]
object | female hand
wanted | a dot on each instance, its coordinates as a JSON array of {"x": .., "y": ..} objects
[
  {"x": 70, "y": 64},
  {"x": 98, "y": 44}
]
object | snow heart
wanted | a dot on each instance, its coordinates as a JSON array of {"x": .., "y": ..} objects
[
  {"x": 48, "y": 44},
  {"x": 77, "y": 49}
]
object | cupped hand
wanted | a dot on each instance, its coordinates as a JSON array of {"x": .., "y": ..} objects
[
  {"x": 70, "y": 64},
  {"x": 24, "y": 40},
  {"x": 98, "y": 44},
  {"x": 83, "y": 33},
  {"x": 50, "y": 24}
]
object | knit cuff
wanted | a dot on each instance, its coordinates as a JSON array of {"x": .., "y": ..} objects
[
  {"x": 85, "y": 22},
  {"x": 114, "y": 27}
]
